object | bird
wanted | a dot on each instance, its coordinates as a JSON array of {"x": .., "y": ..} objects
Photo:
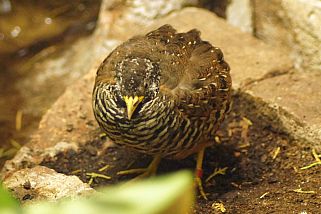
[{"x": 163, "y": 94}]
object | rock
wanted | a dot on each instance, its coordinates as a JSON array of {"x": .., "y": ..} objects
[
  {"x": 145, "y": 11},
  {"x": 133, "y": 16},
  {"x": 52, "y": 135},
  {"x": 239, "y": 13},
  {"x": 290, "y": 25},
  {"x": 304, "y": 18},
  {"x": 295, "y": 98},
  {"x": 41, "y": 183},
  {"x": 269, "y": 22},
  {"x": 293, "y": 26}
]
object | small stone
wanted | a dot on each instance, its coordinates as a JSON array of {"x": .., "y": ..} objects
[
  {"x": 82, "y": 116},
  {"x": 27, "y": 197},
  {"x": 90, "y": 123},
  {"x": 69, "y": 127},
  {"x": 272, "y": 180},
  {"x": 92, "y": 150},
  {"x": 47, "y": 184},
  {"x": 27, "y": 185},
  {"x": 264, "y": 158}
]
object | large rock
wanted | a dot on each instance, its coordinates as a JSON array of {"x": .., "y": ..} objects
[
  {"x": 239, "y": 14},
  {"x": 296, "y": 99},
  {"x": 292, "y": 25},
  {"x": 304, "y": 18}
]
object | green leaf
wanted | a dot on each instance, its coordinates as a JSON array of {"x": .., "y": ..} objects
[
  {"x": 160, "y": 195},
  {"x": 8, "y": 205}
]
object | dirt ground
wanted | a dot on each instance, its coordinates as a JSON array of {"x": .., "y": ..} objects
[{"x": 258, "y": 170}]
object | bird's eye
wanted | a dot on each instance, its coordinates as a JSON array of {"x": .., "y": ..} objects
[{"x": 120, "y": 102}]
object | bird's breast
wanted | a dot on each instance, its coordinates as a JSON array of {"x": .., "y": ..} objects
[{"x": 156, "y": 128}]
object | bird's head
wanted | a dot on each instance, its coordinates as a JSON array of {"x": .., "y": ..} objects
[{"x": 138, "y": 82}]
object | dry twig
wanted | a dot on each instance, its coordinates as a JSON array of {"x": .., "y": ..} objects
[
  {"x": 18, "y": 120},
  {"x": 304, "y": 192},
  {"x": 104, "y": 168},
  {"x": 317, "y": 161},
  {"x": 219, "y": 206},
  {"x": 217, "y": 171},
  {"x": 265, "y": 194},
  {"x": 275, "y": 152},
  {"x": 93, "y": 175}
]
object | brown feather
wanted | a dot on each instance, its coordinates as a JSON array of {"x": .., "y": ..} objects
[{"x": 189, "y": 88}]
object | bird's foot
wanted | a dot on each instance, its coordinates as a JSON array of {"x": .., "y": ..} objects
[
  {"x": 199, "y": 173},
  {"x": 199, "y": 184},
  {"x": 144, "y": 172}
]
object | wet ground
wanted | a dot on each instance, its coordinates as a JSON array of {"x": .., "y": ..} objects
[{"x": 258, "y": 170}]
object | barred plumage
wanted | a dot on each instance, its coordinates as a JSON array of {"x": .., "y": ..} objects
[{"x": 164, "y": 93}]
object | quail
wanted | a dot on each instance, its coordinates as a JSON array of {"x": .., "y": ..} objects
[{"x": 163, "y": 94}]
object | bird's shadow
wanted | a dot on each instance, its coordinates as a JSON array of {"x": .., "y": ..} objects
[{"x": 233, "y": 167}]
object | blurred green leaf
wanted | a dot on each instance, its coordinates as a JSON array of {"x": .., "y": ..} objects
[
  {"x": 160, "y": 195},
  {"x": 8, "y": 205}
]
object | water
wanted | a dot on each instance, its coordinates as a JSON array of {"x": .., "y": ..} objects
[{"x": 31, "y": 31}]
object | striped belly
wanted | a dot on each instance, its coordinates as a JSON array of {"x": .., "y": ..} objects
[{"x": 157, "y": 127}]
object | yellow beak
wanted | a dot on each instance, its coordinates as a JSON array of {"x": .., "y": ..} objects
[{"x": 132, "y": 103}]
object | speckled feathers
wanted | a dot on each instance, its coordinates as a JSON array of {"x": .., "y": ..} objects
[{"x": 186, "y": 87}]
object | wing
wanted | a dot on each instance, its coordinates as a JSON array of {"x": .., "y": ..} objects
[
  {"x": 105, "y": 71},
  {"x": 208, "y": 81},
  {"x": 194, "y": 73}
]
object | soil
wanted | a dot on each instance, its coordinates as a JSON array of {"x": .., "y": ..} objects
[{"x": 263, "y": 172}]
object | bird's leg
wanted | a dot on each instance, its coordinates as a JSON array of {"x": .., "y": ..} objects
[
  {"x": 149, "y": 171},
  {"x": 199, "y": 172}
]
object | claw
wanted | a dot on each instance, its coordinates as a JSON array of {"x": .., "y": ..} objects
[
  {"x": 198, "y": 181},
  {"x": 145, "y": 172}
]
